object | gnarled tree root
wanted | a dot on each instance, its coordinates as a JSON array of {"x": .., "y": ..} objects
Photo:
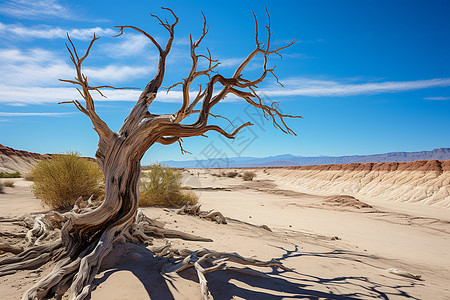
[
  {"x": 75, "y": 273},
  {"x": 205, "y": 261},
  {"x": 45, "y": 242},
  {"x": 194, "y": 210}
]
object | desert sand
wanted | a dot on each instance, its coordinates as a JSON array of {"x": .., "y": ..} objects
[{"x": 340, "y": 239}]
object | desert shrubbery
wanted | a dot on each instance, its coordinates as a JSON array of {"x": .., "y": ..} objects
[
  {"x": 248, "y": 176},
  {"x": 8, "y": 183},
  {"x": 61, "y": 180},
  {"x": 232, "y": 174},
  {"x": 28, "y": 176},
  {"x": 10, "y": 175},
  {"x": 2, "y": 188},
  {"x": 161, "y": 186}
]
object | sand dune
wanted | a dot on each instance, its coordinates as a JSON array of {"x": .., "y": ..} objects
[
  {"x": 337, "y": 226},
  {"x": 12, "y": 160},
  {"x": 420, "y": 182},
  {"x": 339, "y": 247}
]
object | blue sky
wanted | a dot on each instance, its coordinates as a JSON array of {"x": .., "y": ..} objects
[{"x": 367, "y": 76}]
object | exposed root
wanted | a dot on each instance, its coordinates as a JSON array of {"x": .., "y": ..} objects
[
  {"x": 205, "y": 261},
  {"x": 5, "y": 247},
  {"x": 32, "y": 257},
  {"x": 194, "y": 210},
  {"x": 76, "y": 274}
]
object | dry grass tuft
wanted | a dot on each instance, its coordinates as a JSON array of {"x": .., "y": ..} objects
[
  {"x": 161, "y": 186},
  {"x": 248, "y": 176},
  {"x": 60, "y": 181},
  {"x": 8, "y": 183},
  {"x": 232, "y": 174},
  {"x": 28, "y": 176}
]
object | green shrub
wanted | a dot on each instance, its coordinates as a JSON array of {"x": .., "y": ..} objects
[
  {"x": 232, "y": 174},
  {"x": 161, "y": 186},
  {"x": 248, "y": 176},
  {"x": 61, "y": 180},
  {"x": 9, "y": 175},
  {"x": 1, "y": 188},
  {"x": 8, "y": 183}
]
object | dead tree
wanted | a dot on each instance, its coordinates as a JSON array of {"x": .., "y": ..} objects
[{"x": 88, "y": 233}]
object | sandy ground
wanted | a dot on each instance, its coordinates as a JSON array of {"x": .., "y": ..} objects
[{"x": 339, "y": 247}]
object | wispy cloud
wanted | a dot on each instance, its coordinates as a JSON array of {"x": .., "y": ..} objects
[
  {"x": 297, "y": 55},
  {"x": 16, "y": 95},
  {"x": 333, "y": 88},
  {"x": 34, "y": 9},
  {"x": 231, "y": 62},
  {"x": 19, "y": 31},
  {"x": 437, "y": 98},
  {"x": 130, "y": 45},
  {"x": 39, "y": 67},
  {"x": 28, "y": 114},
  {"x": 34, "y": 67},
  {"x": 117, "y": 73},
  {"x": 41, "y": 95}
]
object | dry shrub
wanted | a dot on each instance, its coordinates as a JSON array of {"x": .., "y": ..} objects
[
  {"x": 161, "y": 186},
  {"x": 29, "y": 176},
  {"x": 232, "y": 174},
  {"x": 60, "y": 181},
  {"x": 248, "y": 176},
  {"x": 8, "y": 183},
  {"x": 2, "y": 187},
  {"x": 10, "y": 175}
]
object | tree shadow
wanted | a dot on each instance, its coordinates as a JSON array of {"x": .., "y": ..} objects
[
  {"x": 273, "y": 285},
  {"x": 141, "y": 262}
]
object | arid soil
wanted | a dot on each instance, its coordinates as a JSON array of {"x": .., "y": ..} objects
[
  {"x": 340, "y": 245},
  {"x": 424, "y": 184}
]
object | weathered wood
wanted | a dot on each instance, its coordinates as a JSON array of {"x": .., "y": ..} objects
[
  {"x": 79, "y": 240},
  {"x": 194, "y": 210}
]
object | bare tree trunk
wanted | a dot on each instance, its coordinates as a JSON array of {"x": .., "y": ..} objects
[
  {"x": 121, "y": 168},
  {"x": 89, "y": 232}
]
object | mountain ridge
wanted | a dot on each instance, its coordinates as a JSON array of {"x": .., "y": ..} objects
[{"x": 288, "y": 160}]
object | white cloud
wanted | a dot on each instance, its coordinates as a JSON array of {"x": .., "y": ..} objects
[
  {"x": 437, "y": 98},
  {"x": 21, "y": 114},
  {"x": 130, "y": 45},
  {"x": 116, "y": 73},
  {"x": 34, "y": 9},
  {"x": 18, "y": 31},
  {"x": 39, "y": 67},
  {"x": 330, "y": 88},
  {"x": 34, "y": 67},
  {"x": 41, "y": 95},
  {"x": 30, "y": 76},
  {"x": 231, "y": 62},
  {"x": 17, "y": 95}
]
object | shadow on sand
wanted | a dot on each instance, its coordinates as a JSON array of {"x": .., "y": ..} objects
[{"x": 230, "y": 284}]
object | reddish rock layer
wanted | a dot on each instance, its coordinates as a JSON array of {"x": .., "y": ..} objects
[
  {"x": 21, "y": 153},
  {"x": 418, "y": 165}
]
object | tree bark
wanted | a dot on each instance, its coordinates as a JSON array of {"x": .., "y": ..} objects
[{"x": 89, "y": 232}]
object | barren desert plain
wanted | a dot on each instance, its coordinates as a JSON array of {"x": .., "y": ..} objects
[{"x": 357, "y": 231}]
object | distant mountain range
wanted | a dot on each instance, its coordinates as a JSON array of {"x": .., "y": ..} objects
[{"x": 292, "y": 160}]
